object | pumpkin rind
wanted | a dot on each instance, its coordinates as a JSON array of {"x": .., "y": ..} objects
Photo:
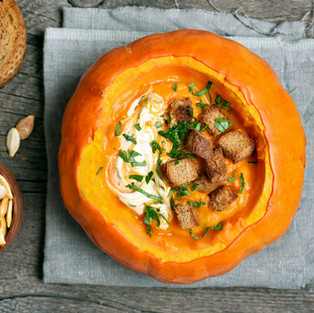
[{"x": 260, "y": 87}]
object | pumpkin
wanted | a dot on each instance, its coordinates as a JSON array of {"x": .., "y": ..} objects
[{"x": 261, "y": 106}]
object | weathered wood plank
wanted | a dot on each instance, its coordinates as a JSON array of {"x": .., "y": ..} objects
[{"x": 21, "y": 286}]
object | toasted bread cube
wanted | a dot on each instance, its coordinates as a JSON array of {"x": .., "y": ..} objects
[
  {"x": 222, "y": 197},
  {"x": 179, "y": 110},
  {"x": 187, "y": 215},
  {"x": 203, "y": 184},
  {"x": 198, "y": 144},
  {"x": 215, "y": 167},
  {"x": 209, "y": 117},
  {"x": 236, "y": 145},
  {"x": 180, "y": 173}
]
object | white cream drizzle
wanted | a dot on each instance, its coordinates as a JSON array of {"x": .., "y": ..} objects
[{"x": 145, "y": 111}]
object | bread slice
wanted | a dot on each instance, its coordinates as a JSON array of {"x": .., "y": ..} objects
[
  {"x": 236, "y": 145},
  {"x": 203, "y": 184},
  {"x": 180, "y": 173},
  {"x": 187, "y": 215},
  {"x": 12, "y": 40},
  {"x": 216, "y": 168},
  {"x": 198, "y": 144},
  {"x": 209, "y": 117},
  {"x": 222, "y": 197},
  {"x": 179, "y": 110}
]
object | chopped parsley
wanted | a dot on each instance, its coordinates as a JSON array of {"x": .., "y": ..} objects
[
  {"x": 197, "y": 204},
  {"x": 118, "y": 129},
  {"x": 191, "y": 87},
  {"x": 131, "y": 158},
  {"x": 174, "y": 87},
  {"x": 99, "y": 170},
  {"x": 203, "y": 129},
  {"x": 172, "y": 203},
  {"x": 138, "y": 126},
  {"x": 130, "y": 138},
  {"x": 158, "y": 125},
  {"x": 124, "y": 156},
  {"x": 222, "y": 124},
  {"x": 195, "y": 237},
  {"x": 252, "y": 162},
  {"x": 218, "y": 100},
  {"x": 242, "y": 183},
  {"x": 194, "y": 187},
  {"x": 201, "y": 105},
  {"x": 191, "y": 112},
  {"x": 148, "y": 195},
  {"x": 139, "y": 178},
  {"x": 155, "y": 145},
  {"x": 158, "y": 165},
  {"x": 204, "y": 91},
  {"x": 149, "y": 177},
  {"x": 231, "y": 179},
  {"x": 150, "y": 214},
  {"x": 225, "y": 104},
  {"x": 218, "y": 227}
]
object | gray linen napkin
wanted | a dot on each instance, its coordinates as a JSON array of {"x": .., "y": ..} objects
[{"x": 70, "y": 257}]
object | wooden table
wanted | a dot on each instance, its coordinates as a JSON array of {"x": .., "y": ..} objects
[{"x": 21, "y": 285}]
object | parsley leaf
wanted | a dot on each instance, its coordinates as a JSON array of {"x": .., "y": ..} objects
[
  {"x": 191, "y": 112},
  {"x": 197, "y": 204},
  {"x": 172, "y": 203},
  {"x": 150, "y": 214},
  {"x": 134, "y": 163},
  {"x": 148, "y": 195},
  {"x": 218, "y": 227},
  {"x": 158, "y": 165},
  {"x": 191, "y": 86},
  {"x": 218, "y": 100},
  {"x": 99, "y": 170},
  {"x": 118, "y": 128},
  {"x": 204, "y": 91},
  {"x": 139, "y": 178},
  {"x": 124, "y": 156},
  {"x": 222, "y": 124},
  {"x": 158, "y": 125},
  {"x": 231, "y": 179},
  {"x": 174, "y": 87},
  {"x": 155, "y": 146},
  {"x": 201, "y": 105},
  {"x": 195, "y": 237},
  {"x": 242, "y": 183},
  {"x": 138, "y": 126},
  {"x": 194, "y": 187},
  {"x": 130, "y": 138},
  {"x": 252, "y": 162},
  {"x": 182, "y": 191},
  {"x": 149, "y": 177},
  {"x": 225, "y": 104}
]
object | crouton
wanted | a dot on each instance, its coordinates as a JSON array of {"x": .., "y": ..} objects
[
  {"x": 222, "y": 197},
  {"x": 236, "y": 145},
  {"x": 180, "y": 173},
  {"x": 187, "y": 215},
  {"x": 209, "y": 117},
  {"x": 215, "y": 167},
  {"x": 203, "y": 184},
  {"x": 179, "y": 110},
  {"x": 198, "y": 144}
]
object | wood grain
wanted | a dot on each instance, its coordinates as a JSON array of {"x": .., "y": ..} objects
[{"x": 21, "y": 285}]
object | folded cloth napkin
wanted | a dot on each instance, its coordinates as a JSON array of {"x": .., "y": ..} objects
[{"x": 70, "y": 257}]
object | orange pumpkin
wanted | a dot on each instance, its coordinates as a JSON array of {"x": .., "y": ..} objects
[{"x": 262, "y": 108}]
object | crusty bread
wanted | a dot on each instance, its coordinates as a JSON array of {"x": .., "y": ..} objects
[
  {"x": 222, "y": 197},
  {"x": 180, "y": 173},
  {"x": 236, "y": 145},
  {"x": 203, "y": 184},
  {"x": 209, "y": 116},
  {"x": 187, "y": 215},
  {"x": 179, "y": 110},
  {"x": 12, "y": 40},
  {"x": 215, "y": 167},
  {"x": 198, "y": 144}
]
